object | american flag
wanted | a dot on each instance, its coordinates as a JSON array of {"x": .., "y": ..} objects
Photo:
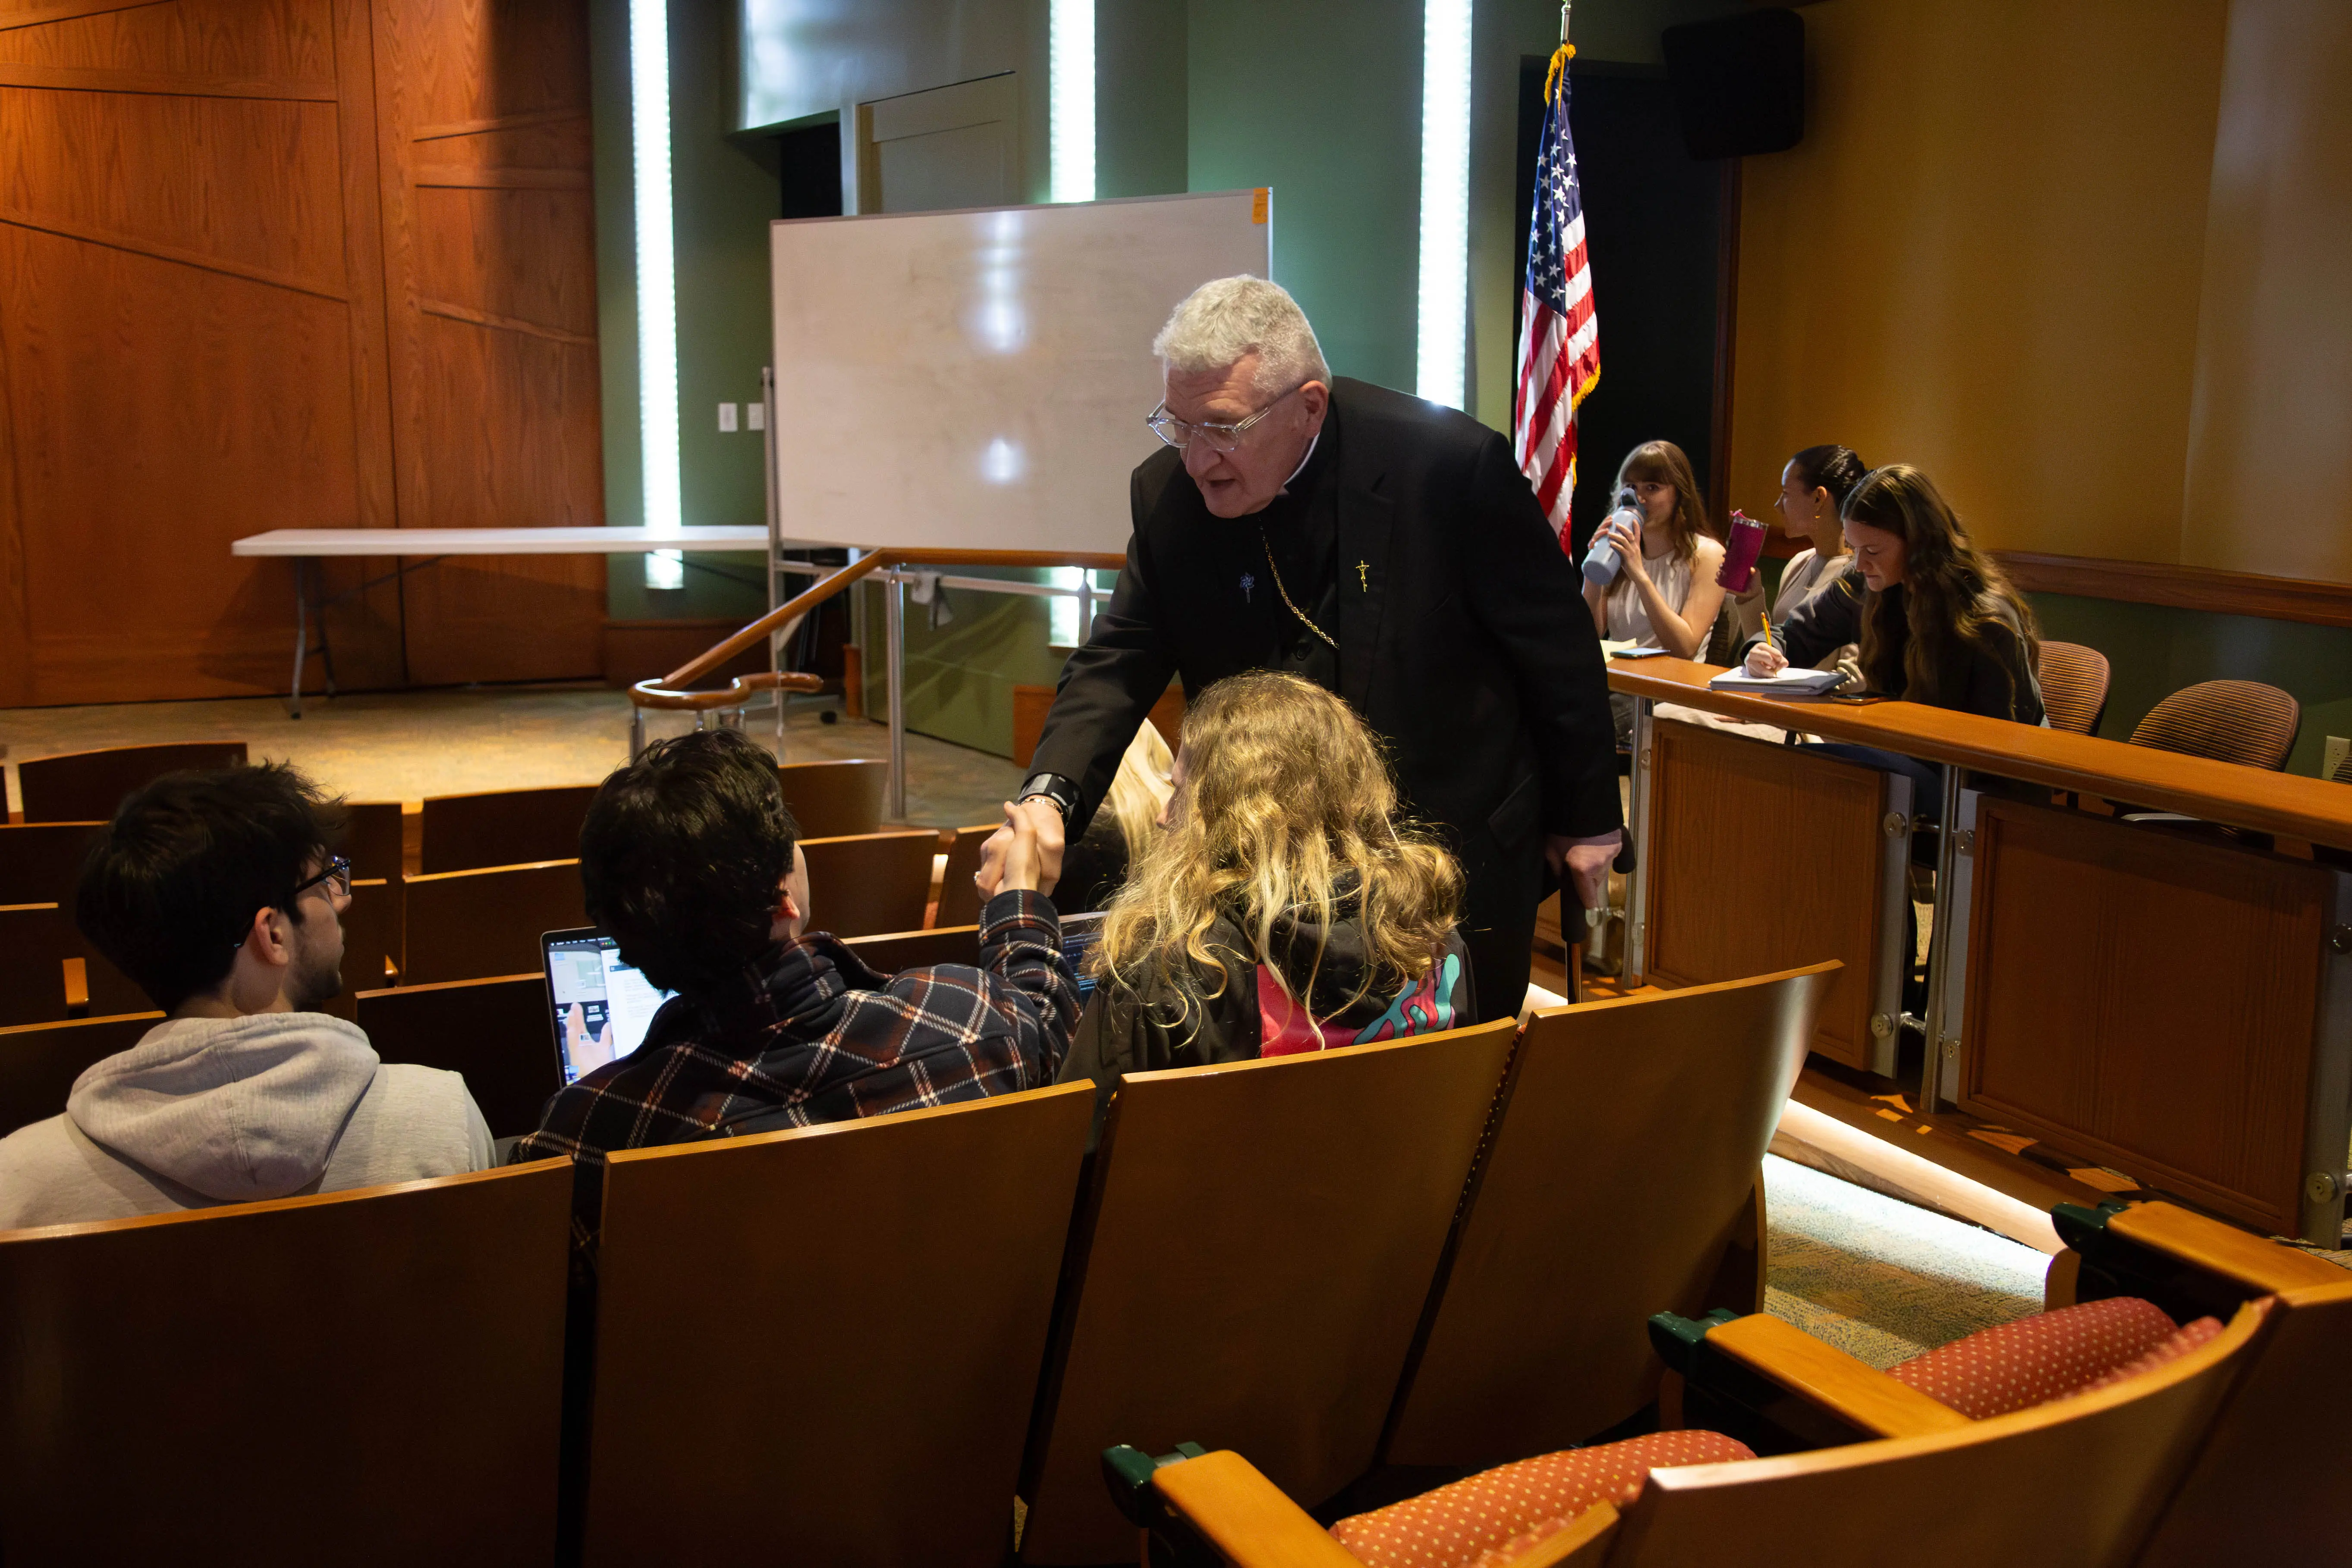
[{"x": 1560, "y": 342}]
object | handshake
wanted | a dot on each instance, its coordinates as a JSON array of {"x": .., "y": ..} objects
[{"x": 1025, "y": 853}]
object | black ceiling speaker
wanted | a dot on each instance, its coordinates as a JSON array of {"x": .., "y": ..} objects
[{"x": 1739, "y": 82}]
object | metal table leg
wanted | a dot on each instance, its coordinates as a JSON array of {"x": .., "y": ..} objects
[
  {"x": 1940, "y": 944},
  {"x": 1634, "y": 967},
  {"x": 894, "y": 634}
]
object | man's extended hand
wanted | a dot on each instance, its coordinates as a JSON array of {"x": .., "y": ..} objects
[
  {"x": 1584, "y": 866},
  {"x": 1001, "y": 858}
]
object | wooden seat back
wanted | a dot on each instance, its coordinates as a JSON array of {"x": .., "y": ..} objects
[
  {"x": 502, "y": 827},
  {"x": 1250, "y": 1259},
  {"x": 959, "y": 899},
  {"x": 40, "y": 862},
  {"x": 375, "y": 839},
  {"x": 834, "y": 799},
  {"x": 495, "y": 1033},
  {"x": 370, "y": 925},
  {"x": 363, "y": 1377},
  {"x": 1622, "y": 1177},
  {"x": 894, "y": 951},
  {"x": 38, "y": 1062},
  {"x": 49, "y": 970},
  {"x": 2075, "y": 1483},
  {"x": 470, "y": 925},
  {"x": 87, "y": 786},
  {"x": 912, "y": 1259},
  {"x": 871, "y": 883}
]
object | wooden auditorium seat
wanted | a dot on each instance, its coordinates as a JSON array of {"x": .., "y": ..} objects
[
  {"x": 2257, "y": 1493},
  {"x": 40, "y": 862},
  {"x": 364, "y": 1377},
  {"x": 2074, "y": 680},
  {"x": 882, "y": 1291},
  {"x": 2242, "y": 721},
  {"x": 375, "y": 839},
  {"x": 470, "y": 925},
  {"x": 48, "y": 971},
  {"x": 2075, "y": 1483},
  {"x": 496, "y": 1034},
  {"x": 370, "y": 925},
  {"x": 86, "y": 787},
  {"x": 834, "y": 799},
  {"x": 38, "y": 1062},
  {"x": 1631, "y": 1135},
  {"x": 894, "y": 951},
  {"x": 1251, "y": 1260},
  {"x": 959, "y": 899},
  {"x": 870, "y": 883},
  {"x": 502, "y": 828}
]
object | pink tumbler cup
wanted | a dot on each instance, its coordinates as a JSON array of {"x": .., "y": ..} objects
[{"x": 1740, "y": 553}]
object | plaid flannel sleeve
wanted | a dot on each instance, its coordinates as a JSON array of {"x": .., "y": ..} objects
[{"x": 1021, "y": 945}]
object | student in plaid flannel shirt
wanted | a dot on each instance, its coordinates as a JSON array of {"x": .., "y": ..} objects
[{"x": 689, "y": 862}]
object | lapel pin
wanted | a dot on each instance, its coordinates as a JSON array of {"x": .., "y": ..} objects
[{"x": 1248, "y": 583}]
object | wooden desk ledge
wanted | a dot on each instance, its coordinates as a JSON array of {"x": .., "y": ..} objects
[
  {"x": 1836, "y": 1381},
  {"x": 2292, "y": 803},
  {"x": 2251, "y": 1260}
]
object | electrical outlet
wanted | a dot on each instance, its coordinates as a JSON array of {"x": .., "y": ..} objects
[
  {"x": 755, "y": 415},
  {"x": 727, "y": 418},
  {"x": 2334, "y": 758}
]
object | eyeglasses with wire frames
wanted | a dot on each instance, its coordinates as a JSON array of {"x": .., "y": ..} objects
[{"x": 1182, "y": 433}]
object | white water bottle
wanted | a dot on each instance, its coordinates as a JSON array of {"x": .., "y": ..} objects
[{"x": 1600, "y": 563}]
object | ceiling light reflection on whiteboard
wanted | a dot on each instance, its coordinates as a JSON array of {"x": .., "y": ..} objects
[
  {"x": 1004, "y": 463},
  {"x": 1001, "y": 322}
]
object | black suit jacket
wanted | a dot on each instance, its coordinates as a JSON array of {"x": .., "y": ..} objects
[{"x": 1463, "y": 641}]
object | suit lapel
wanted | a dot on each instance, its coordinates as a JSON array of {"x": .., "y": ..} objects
[{"x": 1367, "y": 527}]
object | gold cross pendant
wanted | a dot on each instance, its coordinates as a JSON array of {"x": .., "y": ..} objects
[{"x": 1363, "y": 579}]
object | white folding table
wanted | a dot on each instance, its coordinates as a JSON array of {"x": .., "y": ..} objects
[{"x": 411, "y": 548}]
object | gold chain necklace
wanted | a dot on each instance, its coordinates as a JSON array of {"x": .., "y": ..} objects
[{"x": 1268, "y": 545}]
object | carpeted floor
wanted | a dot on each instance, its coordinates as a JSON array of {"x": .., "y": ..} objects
[
  {"x": 405, "y": 745},
  {"x": 1881, "y": 1279}
]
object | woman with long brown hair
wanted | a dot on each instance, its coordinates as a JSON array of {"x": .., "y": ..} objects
[
  {"x": 1664, "y": 593},
  {"x": 1285, "y": 907},
  {"x": 1938, "y": 622}
]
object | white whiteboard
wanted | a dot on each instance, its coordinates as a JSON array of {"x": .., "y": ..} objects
[{"x": 979, "y": 379}]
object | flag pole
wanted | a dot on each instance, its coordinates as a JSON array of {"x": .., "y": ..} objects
[{"x": 1560, "y": 56}]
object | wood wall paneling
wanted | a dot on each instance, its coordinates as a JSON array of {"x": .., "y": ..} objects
[
  {"x": 1765, "y": 857},
  {"x": 490, "y": 266},
  {"x": 2146, "y": 999}
]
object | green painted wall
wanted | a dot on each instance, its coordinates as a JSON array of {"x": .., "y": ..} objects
[{"x": 2154, "y": 651}]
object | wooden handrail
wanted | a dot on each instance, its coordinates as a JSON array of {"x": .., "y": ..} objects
[
  {"x": 801, "y": 604},
  {"x": 653, "y": 694}
]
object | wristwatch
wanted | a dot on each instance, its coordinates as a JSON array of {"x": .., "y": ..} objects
[{"x": 1054, "y": 787}]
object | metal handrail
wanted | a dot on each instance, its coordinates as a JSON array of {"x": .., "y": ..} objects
[{"x": 889, "y": 563}]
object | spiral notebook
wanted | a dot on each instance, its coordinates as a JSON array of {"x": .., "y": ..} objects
[{"x": 1787, "y": 683}]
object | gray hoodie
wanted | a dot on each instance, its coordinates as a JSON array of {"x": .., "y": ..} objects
[{"x": 223, "y": 1110}]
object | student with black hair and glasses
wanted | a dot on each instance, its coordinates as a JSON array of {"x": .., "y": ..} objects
[
  {"x": 688, "y": 861},
  {"x": 221, "y": 894}
]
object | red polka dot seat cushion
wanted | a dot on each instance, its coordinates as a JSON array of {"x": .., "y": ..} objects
[
  {"x": 2051, "y": 1355},
  {"x": 1486, "y": 1520}
]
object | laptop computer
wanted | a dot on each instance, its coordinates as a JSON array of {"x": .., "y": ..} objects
[{"x": 616, "y": 1004}]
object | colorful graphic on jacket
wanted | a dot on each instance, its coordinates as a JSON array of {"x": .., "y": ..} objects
[{"x": 1288, "y": 1029}]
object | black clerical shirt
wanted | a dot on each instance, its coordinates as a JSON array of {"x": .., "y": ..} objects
[{"x": 1294, "y": 545}]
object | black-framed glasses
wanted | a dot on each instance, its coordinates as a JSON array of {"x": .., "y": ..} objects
[
  {"x": 336, "y": 879},
  {"x": 1182, "y": 433}
]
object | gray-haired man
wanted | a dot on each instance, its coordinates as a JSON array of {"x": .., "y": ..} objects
[{"x": 1385, "y": 548}]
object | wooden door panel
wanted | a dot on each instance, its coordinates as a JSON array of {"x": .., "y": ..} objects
[
  {"x": 489, "y": 255},
  {"x": 2146, "y": 999},
  {"x": 1766, "y": 857}
]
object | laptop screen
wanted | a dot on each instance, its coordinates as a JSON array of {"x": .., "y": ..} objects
[
  {"x": 601, "y": 1006},
  {"x": 1079, "y": 934}
]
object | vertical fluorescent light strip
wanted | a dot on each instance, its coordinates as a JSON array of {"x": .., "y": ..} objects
[
  {"x": 1444, "y": 200},
  {"x": 1070, "y": 72},
  {"x": 657, "y": 283}
]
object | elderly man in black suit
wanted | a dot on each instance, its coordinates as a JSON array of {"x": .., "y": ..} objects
[{"x": 1385, "y": 548}]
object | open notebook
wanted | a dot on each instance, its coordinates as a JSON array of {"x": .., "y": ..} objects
[{"x": 1787, "y": 683}]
